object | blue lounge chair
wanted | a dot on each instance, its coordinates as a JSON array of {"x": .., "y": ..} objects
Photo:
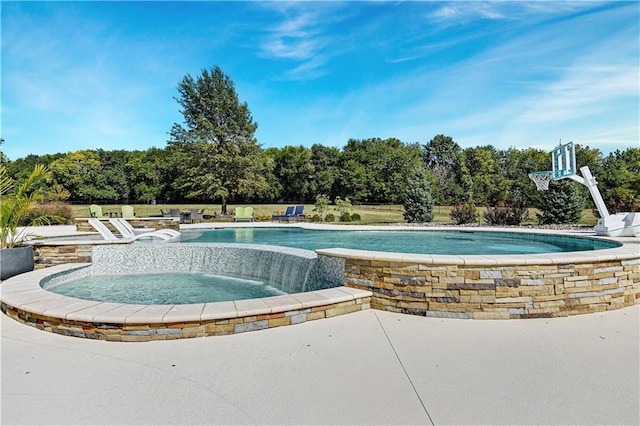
[
  {"x": 298, "y": 214},
  {"x": 287, "y": 214}
]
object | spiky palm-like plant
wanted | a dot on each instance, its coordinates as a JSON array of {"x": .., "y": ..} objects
[{"x": 14, "y": 205}]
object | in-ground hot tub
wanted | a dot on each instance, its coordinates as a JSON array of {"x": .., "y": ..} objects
[{"x": 313, "y": 284}]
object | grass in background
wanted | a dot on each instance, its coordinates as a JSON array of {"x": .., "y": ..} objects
[{"x": 371, "y": 215}]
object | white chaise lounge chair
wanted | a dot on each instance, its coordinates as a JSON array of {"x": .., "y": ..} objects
[
  {"x": 127, "y": 231},
  {"x": 125, "y": 228},
  {"x": 109, "y": 236}
]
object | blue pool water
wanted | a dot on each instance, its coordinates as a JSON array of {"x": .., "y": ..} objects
[
  {"x": 164, "y": 288},
  {"x": 422, "y": 242}
]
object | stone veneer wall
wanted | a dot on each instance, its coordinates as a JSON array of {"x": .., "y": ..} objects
[
  {"x": 82, "y": 224},
  {"x": 183, "y": 329},
  {"x": 45, "y": 256},
  {"x": 494, "y": 291},
  {"x": 57, "y": 253}
]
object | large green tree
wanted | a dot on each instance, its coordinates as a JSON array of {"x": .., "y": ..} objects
[
  {"x": 326, "y": 170},
  {"x": 147, "y": 173},
  {"x": 445, "y": 160},
  {"x": 620, "y": 180},
  {"x": 294, "y": 171},
  {"x": 217, "y": 154},
  {"x": 113, "y": 171},
  {"x": 81, "y": 174},
  {"x": 377, "y": 170},
  {"x": 21, "y": 168},
  {"x": 515, "y": 165},
  {"x": 490, "y": 186}
]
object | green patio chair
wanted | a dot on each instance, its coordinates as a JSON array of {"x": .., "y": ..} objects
[
  {"x": 243, "y": 214},
  {"x": 96, "y": 211},
  {"x": 127, "y": 211}
]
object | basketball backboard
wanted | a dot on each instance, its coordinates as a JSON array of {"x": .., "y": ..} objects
[{"x": 563, "y": 159}]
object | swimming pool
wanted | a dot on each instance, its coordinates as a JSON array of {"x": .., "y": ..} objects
[
  {"x": 449, "y": 242},
  {"x": 475, "y": 286}
]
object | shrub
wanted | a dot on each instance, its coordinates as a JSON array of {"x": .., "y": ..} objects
[
  {"x": 58, "y": 213},
  {"x": 315, "y": 218},
  {"x": 321, "y": 206},
  {"x": 418, "y": 201},
  {"x": 343, "y": 205},
  {"x": 561, "y": 203},
  {"x": 506, "y": 214},
  {"x": 623, "y": 200},
  {"x": 463, "y": 213},
  {"x": 330, "y": 217},
  {"x": 355, "y": 217},
  {"x": 58, "y": 193},
  {"x": 345, "y": 217}
]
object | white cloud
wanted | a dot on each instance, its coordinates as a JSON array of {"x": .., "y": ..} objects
[
  {"x": 297, "y": 36},
  {"x": 303, "y": 35},
  {"x": 299, "y": 49},
  {"x": 462, "y": 12},
  {"x": 584, "y": 92}
]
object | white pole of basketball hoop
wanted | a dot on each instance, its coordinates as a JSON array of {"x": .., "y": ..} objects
[{"x": 589, "y": 181}]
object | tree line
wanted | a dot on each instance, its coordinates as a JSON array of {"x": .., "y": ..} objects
[
  {"x": 213, "y": 157},
  {"x": 365, "y": 171}
]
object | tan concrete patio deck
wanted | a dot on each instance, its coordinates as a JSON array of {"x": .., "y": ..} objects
[{"x": 370, "y": 367}]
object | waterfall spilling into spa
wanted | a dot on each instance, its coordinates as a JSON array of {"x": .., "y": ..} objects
[{"x": 289, "y": 270}]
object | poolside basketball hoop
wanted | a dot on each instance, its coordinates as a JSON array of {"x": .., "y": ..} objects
[
  {"x": 563, "y": 161},
  {"x": 541, "y": 179}
]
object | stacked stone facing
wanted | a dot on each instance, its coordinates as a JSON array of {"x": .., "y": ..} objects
[
  {"x": 496, "y": 291},
  {"x": 142, "y": 332}
]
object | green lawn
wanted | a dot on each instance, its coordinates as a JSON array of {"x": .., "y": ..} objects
[{"x": 383, "y": 214}]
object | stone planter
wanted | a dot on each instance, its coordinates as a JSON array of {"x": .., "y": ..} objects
[{"x": 14, "y": 261}]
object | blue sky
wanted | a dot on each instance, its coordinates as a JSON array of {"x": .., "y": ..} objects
[{"x": 85, "y": 75}]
